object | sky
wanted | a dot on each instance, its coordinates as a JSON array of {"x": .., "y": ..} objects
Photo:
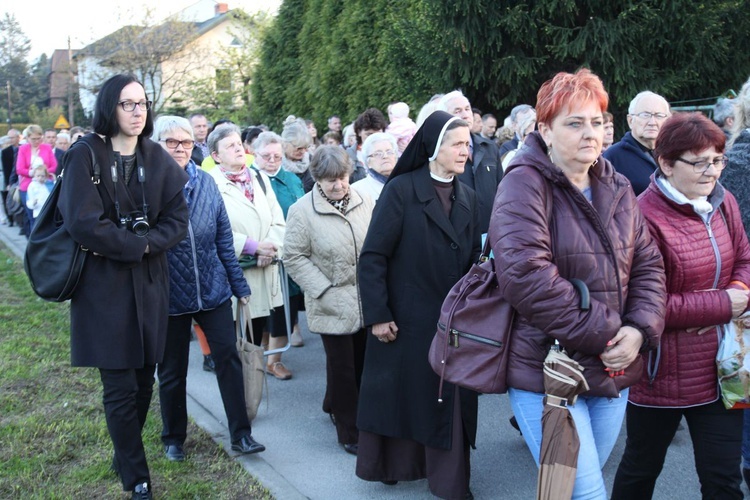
[{"x": 49, "y": 23}]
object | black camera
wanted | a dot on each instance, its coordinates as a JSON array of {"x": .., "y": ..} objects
[{"x": 136, "y": 222}]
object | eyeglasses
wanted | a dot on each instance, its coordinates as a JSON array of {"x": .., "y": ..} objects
[
  {"x": 382, "y": 154},
  {"x": 130, "y": 105},
  {"x": 647, "y": 115},
  {"x": 270, "y": 157},
  {"x": 173, "y": 143},
  {"x": 701, "y": 166}
]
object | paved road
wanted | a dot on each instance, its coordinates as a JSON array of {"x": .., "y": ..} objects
[{"x": 303, "y": 460}]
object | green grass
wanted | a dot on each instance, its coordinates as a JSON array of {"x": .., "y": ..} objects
[{"x": 53, "y": 437}]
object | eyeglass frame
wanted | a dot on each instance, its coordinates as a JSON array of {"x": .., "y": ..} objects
[
  {"x": 139, "y": 104},
  {"x": 724, "y": 160},
  {"x": 647, "y": 115},
  {"x": 381, "y": 155},
  {"x": 179, "y": 143},
  {"x": 268, "y": 156}
]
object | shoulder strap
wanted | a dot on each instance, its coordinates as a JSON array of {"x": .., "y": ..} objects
[
  {"x": 97, "y": 171},
  {"x": 260, "y": 179}
]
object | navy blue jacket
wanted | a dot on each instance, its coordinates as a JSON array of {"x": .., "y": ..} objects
[
  {"x": 631, "y": 161},
  {"x": 203, "y": 268}
]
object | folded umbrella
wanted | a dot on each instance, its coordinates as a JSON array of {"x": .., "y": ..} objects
[{"x": 558, "y": 457}]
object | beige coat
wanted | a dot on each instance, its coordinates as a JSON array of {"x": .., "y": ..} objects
[
  {"x": 261, "y": 220},
  {"x": 322, "y": 249}
]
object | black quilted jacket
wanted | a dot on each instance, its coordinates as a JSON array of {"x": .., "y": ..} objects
[{"x": 203, "y": 268}]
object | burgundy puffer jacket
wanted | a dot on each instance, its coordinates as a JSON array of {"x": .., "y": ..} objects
[
  {"x": 701, "y": 260},
  {"x": 538, "y": 248}
]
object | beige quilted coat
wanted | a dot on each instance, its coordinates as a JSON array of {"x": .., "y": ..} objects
[
  {"x": 261, "y": 220},
  {"x": 321, "y": 253}
]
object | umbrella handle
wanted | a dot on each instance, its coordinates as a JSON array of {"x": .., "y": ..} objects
[{"x": 583, "y": 291}]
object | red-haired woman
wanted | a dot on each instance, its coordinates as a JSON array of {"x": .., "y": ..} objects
[
  {"x": 698, "y": 228},
  {"x": 563, "y": 213}
]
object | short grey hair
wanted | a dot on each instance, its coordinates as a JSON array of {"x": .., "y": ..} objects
[
  {"x": 295, "y": 132},
  {"x": 378, "y": 137},
  {"x": 63, "y": 135},
  {"x": 169, "y": 123},
  {"x": 442, "y": 104},
  {"x": 330, "y": 162},
  {"x": 641, "y": 95},
  {"x": 519, "y": 110},
  {"x": 266, "y": 138},
  {"x": 723, "y": 109},
  {"x": 221, "y": 132}
]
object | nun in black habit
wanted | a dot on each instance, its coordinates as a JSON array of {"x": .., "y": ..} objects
[{"x": 423, "y": 237}]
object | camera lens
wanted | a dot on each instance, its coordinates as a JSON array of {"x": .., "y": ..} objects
[{"x": 140, "y": 228}]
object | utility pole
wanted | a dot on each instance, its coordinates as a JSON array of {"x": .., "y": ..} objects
[
  {"x": 71, "y": 110},
  {"x": 10, "y": 106}
]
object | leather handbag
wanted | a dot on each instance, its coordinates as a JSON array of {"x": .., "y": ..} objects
[
  {"x": 253, "y": 364},
  {"x": 470, "y": 348},
  {"x": 53, "y": 260}
]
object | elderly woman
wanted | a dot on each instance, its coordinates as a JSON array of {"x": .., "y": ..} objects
[
  {"x": 325, "y": 233},
  {"x": 119, "y": 311},
  {"x": 380, "y": 152},
  {"x": 257, "y": 225},
  {"x": 203, "y": 276},
  {"x": 698, "y": 228},
  {"x": 424, "y": 236},
  {"x": 296, "y": 142},
  {"x": 288, "y": 189},
  {"x": 609, "y": 130},
  {"x": 31, "y": 155},
  {"x": 563, "y": 213},
  {"x": 369, "y": 122}
]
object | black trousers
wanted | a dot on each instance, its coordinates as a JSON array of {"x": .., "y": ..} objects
[
  {"x": 717, "y": 441},
  {"x": 127, "y": 396},
  {"x": 218, "y": 325},
  {"x": 345, "y": 357}
]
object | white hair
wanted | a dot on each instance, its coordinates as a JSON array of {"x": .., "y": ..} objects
[{"x": 641, "y": 95}]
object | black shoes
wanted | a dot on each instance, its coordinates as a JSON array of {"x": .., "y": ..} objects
[
  {"x": 208, "y": 363},
  {"x": 247, "y": 445},
  {"x": 351, "y": 448},
  {"x": 514, "y": 424},
  {"x": 141, "y": 492},
  {"x": 174, "y": 452}
]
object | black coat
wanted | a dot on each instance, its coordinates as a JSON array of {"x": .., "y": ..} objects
[
  {"x": 632, "y": 161},
  {"x": 483, "y": 173},
  {"x": 118, "y": 314},
  {"x": 9, "y": 163},
  {"x": 412, "y": 256}
]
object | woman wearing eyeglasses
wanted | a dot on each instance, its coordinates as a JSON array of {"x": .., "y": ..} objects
[
  {"x": 296, "y": 140},
  {"x": 203, "y": 276},
  {"x": 380, "y": 152},
  {"x": 697, "y": 226},
  {"x": 288, "y": 189},
  {"x": 120, "y": 308}
]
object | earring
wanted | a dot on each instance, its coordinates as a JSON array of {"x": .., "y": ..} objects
[{"x": 549, "y": 153}]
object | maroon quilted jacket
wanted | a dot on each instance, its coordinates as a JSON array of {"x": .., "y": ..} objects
[
  {"x": 606, "y": 244},
  {"x": 701, "y": 259}
]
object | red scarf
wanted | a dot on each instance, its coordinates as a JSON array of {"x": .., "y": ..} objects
[{"x": 242, "y": 180}]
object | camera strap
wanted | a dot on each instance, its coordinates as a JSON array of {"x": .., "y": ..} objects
[{"x": 116, "y": 160}]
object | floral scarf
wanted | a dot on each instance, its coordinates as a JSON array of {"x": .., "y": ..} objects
[
  {"x": 242, "y": 180},
  {"x": 340, "y": 205}
]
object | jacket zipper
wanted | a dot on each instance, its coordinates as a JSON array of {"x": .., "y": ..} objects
[{"x": 195, "y": 264}]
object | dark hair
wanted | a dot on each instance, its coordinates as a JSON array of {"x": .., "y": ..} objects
[
  {"x": 220, "y": 122},
  {"x": 105, "y": 109},
  {"x": 608, "y": 117},
  {"x": 332, "y": 135},
  {"x": 477, "y": 111},
  {"x": 487, "y": 117},
  {"x": 330, "y": 162},
  {"x": 683, "y": 132},
  {"x": 371, "y": 119},
  {"x": 250, "y": 134}
]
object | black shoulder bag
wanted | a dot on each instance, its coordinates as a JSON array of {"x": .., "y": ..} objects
[{"x": 53, "y": 260}]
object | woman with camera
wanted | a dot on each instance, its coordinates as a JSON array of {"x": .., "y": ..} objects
[{"x": 122, "y": 199}]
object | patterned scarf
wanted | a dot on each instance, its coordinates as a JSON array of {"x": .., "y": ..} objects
[
  {"x": 340, "y": 205},
  {"x": 242, "y": 180}
]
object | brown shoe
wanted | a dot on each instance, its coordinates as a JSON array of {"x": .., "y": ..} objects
[{"x": 279, "y": 371}]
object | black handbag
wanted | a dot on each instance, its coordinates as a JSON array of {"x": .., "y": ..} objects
[{"x": 53, "y": 260}]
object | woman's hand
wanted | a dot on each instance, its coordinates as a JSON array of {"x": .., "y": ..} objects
[
  {"x": 385, "y": 332},
  {"x": 265, "y": 253},
  {"x": 244, "y": 300},
  {"x": 622, "y": 350},
  {"x": 739, "y": 301}
]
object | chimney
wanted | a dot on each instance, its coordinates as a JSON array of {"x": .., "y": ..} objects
[{"x": 221, "y": 8}]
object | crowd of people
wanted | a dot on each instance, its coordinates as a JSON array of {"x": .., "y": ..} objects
[{"x": 375, "y": 222}]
